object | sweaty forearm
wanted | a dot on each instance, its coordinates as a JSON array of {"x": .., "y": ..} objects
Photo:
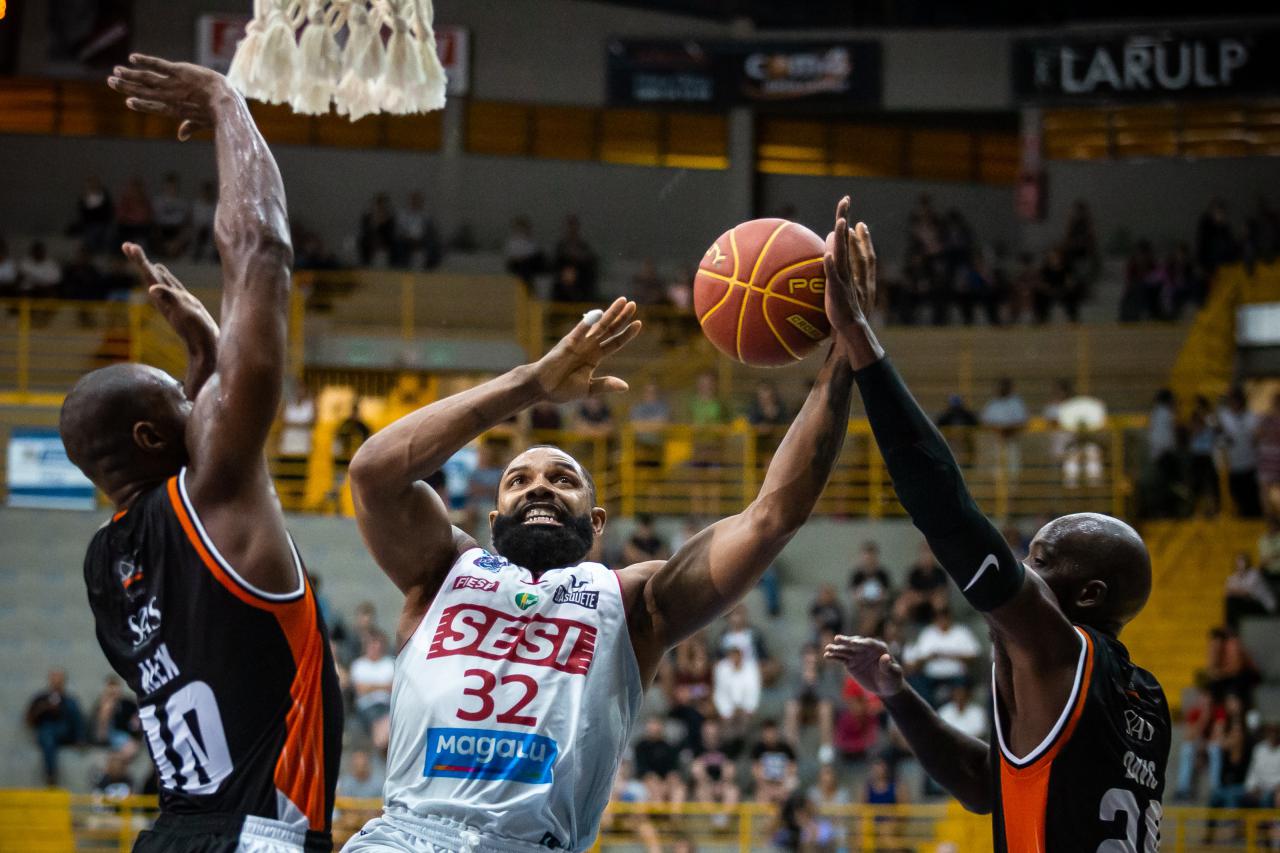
[
  {"x": 251, "y": 216},
  {"x": 956, "y": 761},
  {"x": 414, "y": 447},
  {"x": 804, "y": 460},
  {"x": 931, "y": 488}
]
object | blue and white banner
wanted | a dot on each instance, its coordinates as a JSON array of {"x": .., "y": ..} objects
[{"x": 41, "y": 475}]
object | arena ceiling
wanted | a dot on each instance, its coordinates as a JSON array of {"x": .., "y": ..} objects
[{"x": 918, "y": 13}]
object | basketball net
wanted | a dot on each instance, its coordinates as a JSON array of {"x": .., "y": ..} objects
[{"x": 341, "y": 56}]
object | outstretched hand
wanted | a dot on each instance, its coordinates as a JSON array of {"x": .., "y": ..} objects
[
  {"x": 869, "y": 663},
  {"x": 178, "y": 90},
  {"x": 185, "y": 314},
  {"x": 568, "y": 371},
  {"x": 850, "y": 262}
]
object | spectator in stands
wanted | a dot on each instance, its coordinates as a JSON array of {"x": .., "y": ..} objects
[
  {"x": 363, "y": 627},
  {"x": 713, "y": 772},
  {"x": 1162, "y": 452},
  {"x": 299, "y": 419},
  {"x": 869, "y": 587},
  {"x": 172, "y": 218},
  {"x": 347, "y": 438},
  {"x": 644, "y": 543},
  {"x": 741, "y": 634},
  {"x": 371, "y": 677},
  {"x": 1215, "y": 242},
  {"x": 8, "y": 272},
  {"x": 857, "y": 724},
  {"x": 570, "y": 287},
  {"x": 377, "y": 232},
  {"x": 736, "y": 692},
  {"x": 1228, "y": 667},
  {"x": 1079, "y": 418},
  {"x": 649, "y": 418},
  {"x": 95, "y": 216},
  {"x": 133, "y": 214},
  {"x": 657, "y": 764},
  {"x": 688, "y": 686},
  {"x": 1202, "y": 469},
  {"x": 767, "y": 410},
  {"x": 926, "y": 589},
  {"x": 1231, "y": 746},
  {"x": 1268, "y": 434},
  {"x": 82, "y": 281},
  {"x": 828, "y": 791},
  {"x": 801, "y": 828},
  {"x": 940, "y": 657},
  {"x": 680, "y": 289},
  {"x": 545, "y": 417},
  {"x": 55, "y": 716},
  {"x": 706, "y": 412},
  {"x": 417, "y": 241},
  {"x": 1199, "y": 715},
  {"x": 882, "y": 786},
  {"x": 114, "y": 722},
  {"x": 773, "y": 765},
  {"x": 1248, "y": 593},
  {"x": 815, "y": 691},
  {"x": 360, "y": 781},
  {"x": 1262, "y": 784},
  {"x": 573, "y": 252},
  {"x": 482, "y": 485},
  {"x": 524, "y": 257},
  {"x": 113, "y": 781},
  {"x": 1080, "y": 242},
  {"x": 1061, "y": 284},
  {"x": 1007, "y": 416},
  {"x": 956, "y": 414},
  {"x": 1269, "y": 550},
  {"x": 963, "y": 713},
  {"x": 1239, "y": 435},
  {"x": 647, "y": 286},
  {"x": 203, "y": 210},
  {"x": 1186, "y": 284},
  {"x": 1026, "y": 289},
  {"x": 825, "y": 613},
  {"x": 593, "y": 417},
  {"x": 38, "y": 274}
]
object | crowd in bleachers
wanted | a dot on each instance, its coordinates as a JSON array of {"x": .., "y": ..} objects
[{"x": 1189, "y": 457}]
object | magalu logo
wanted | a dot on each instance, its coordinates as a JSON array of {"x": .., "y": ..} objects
[
  {"x": 490, "y": 754},
  {"x": 525, "y": 600}
]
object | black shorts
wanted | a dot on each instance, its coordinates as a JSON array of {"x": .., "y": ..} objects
[{"x": 223, "y": 833}]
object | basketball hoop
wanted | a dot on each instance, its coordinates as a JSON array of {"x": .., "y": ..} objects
[{"x": 364, "y": 56}]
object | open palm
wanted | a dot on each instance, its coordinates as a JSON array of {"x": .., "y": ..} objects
[{"x": 568, "y": 371}]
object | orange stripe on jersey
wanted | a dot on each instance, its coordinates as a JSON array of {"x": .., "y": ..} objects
[
  {"x": 1024, "y": 791},
  {"x": 300, "y": 769}
]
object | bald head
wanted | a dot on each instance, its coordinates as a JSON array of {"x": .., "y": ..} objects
[
  {"x": 1097, "y": 567},
  {"x": 124, "y": 425}
]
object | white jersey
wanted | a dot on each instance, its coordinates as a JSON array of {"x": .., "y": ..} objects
[{"x": 512, "y": 704}]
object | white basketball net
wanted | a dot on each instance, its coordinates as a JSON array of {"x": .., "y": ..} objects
[{"x": 341, "y": 57}]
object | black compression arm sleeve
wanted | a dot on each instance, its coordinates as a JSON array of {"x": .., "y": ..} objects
[{"x": 930, "y": 486}]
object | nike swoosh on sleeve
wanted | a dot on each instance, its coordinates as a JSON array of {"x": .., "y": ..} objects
[{"x": 988, "y": 563}]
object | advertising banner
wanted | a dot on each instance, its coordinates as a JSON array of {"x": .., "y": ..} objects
[
  {"x": 41, "y": 475},
  {"x": 720, "y": 74},
  {"x": 1147, "y": 65}
]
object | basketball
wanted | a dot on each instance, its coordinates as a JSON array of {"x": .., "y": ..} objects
[{"x": 759, "y": 291}]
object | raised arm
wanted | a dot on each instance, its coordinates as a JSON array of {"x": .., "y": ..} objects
[
  {"x": 1026, "y": 621},
  {"x": 227, "y": 479},
  {"x": 955, "y": 760},
  {"x": 716, "y": 568},
  {"x": 402, "y": 520},
  {"x": 185, "y": 314}
]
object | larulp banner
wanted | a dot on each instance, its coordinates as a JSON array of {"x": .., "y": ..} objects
[{"x": 1147, "y": 65}]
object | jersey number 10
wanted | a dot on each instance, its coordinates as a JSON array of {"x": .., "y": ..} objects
[
  {"x": 1118, "y": 803},
  {"x": 187, "y": 740}
]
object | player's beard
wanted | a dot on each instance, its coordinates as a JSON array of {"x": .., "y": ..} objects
[{"x": 540, "y": 547}]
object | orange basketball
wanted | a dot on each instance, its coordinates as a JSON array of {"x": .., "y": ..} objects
[{"x": 759, "y": 292}]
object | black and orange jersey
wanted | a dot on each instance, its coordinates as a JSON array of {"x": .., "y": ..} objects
[
  {"x": 237, "y": 691},
  {"x": 1099, "y": 775}
]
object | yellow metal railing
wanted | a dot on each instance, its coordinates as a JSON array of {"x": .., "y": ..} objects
[{"x": 58, "y": 821}]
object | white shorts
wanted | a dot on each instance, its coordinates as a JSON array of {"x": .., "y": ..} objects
[{"x": 397, "y": 834}]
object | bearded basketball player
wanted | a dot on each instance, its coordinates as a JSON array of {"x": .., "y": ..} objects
[
  {"x": 521, "y": 671},
  {"x": 1082, "y": 734},
  {"x": 199, "y": 596}
]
